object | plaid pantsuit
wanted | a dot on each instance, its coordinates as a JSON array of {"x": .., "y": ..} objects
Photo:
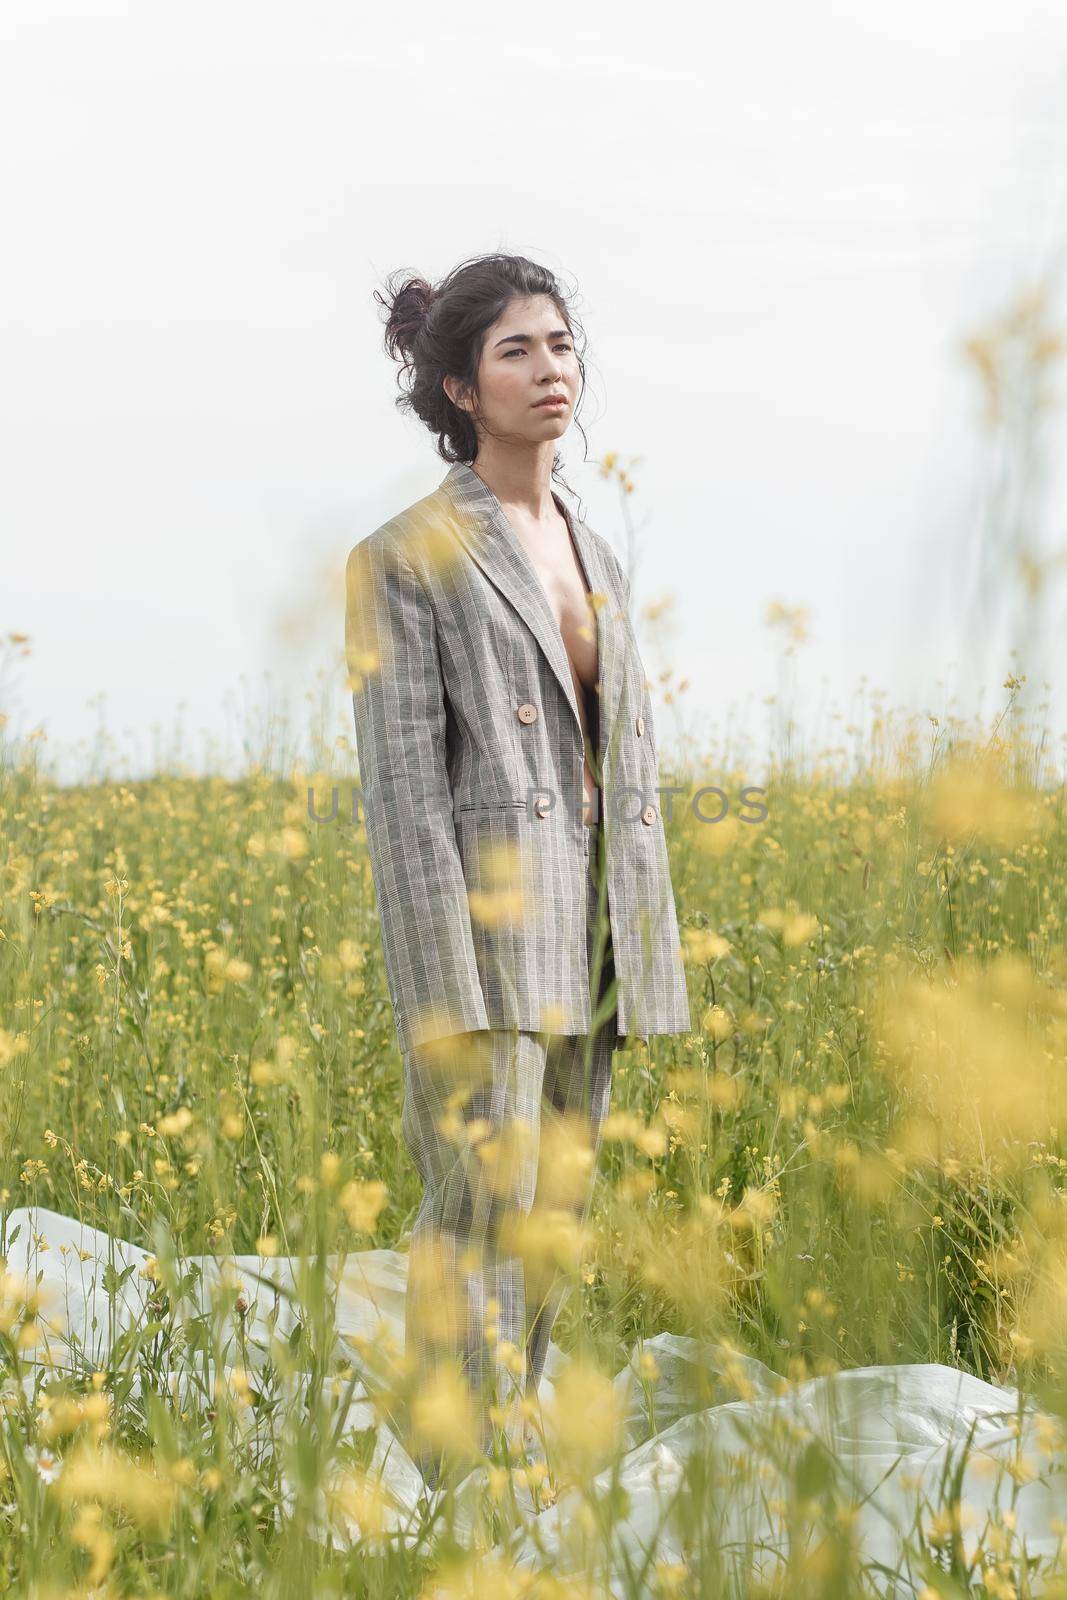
[{"x": 471, "y": 755}]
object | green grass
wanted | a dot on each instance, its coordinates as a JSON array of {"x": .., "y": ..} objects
[{"x": 193, "y": 1014}]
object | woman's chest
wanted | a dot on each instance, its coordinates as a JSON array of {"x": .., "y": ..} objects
[
  {"x": 515, "y": 653},
  {"x": 567, "y": 587}
]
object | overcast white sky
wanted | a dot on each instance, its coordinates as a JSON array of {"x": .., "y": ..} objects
[{"x": 782, "y": 221}]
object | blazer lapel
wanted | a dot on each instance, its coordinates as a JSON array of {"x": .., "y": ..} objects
[{"x": 488, "y": 536}]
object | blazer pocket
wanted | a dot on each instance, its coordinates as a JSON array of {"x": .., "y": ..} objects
[{"x": 489, "y": 805}]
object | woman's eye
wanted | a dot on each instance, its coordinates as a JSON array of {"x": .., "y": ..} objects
[{"x": 517, "y": 352}]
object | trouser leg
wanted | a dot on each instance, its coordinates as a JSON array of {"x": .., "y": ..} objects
[
  {"x": 471, "y": 1120},
  {"x": 576, "y": 1095}
]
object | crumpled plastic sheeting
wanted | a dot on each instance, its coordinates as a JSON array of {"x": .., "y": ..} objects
[{"x": 892, "y": 1431}]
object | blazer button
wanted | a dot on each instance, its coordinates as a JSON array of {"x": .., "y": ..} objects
[
  {"x": 542, "y": 805},
  {"x": 648, "y": 815},
  {"x": 527, "y": 713},
  {"x": 640, "y": 726}
]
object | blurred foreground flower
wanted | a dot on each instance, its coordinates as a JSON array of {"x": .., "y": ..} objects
[
  {"x": 436, "y": 1311},
  {"x": 362, "y": 1202},
  {"x": 487, "y": 1576},
  {"x": 795, "y": 927},
  {"x": 684, "y": 1258},
  {"x": 105, "y": 1476},
  {"x": 359, "y": 1495},
  {"x": 442, "y": 1414},
  {"x": 22, "y": 1310},
  {"x": 701, "y": 944},
  {"x": 583, "y": 1421},
  {"x": 790, "y": 620},
  {"x": 547, "y": 1242},
  {"x": 499, "y": 899},
  {"x": 566, "y": 1162},
  {"x": 974, "y": 794},
  {"x": 978, "y": 1053}
]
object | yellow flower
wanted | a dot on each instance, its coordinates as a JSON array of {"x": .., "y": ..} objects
[
  {"x": 490, "y": 1577},
  {"x": 792, "y": 619},
  {"x": 359, "y": 1495},
  {"x": 978, "y": 794},
  {"x": 176, "y": 1123},
  {"x": 546, "y": 1241},
  {"x": 496, "y": 908},
  {"x": 362, "y": 1202},
  {"x": 652, "y": 1141},
  {"x": 565, "y": 1160},
  {"x": 757, "y": 1206},
  {"x": 442, "y": 1413},
  {"x": 716, "y": 1023},
  {"x": 350, "y": 955},
  {"x": 621, "y": 1125},
  {"x": 106, "y": 1476},
  {"x": 947, "y": 1040},
  {"x": 223, "y": 968},
  {"x": 583, "y": 1420},
  {"x": 13, "y": 1044},
  {"x": 293, "y": 843},
  {"x": 701, "y": 944},
  {"x": 799, "y": 928},
  {"x": 683, "y": 1258},
  {"x": 68, "y": 1413}
]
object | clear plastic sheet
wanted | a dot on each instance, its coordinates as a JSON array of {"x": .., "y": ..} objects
[{"x": 891, "y": 1432}]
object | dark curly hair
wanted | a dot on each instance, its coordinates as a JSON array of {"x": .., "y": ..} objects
[{"x": 439, "y": 332}]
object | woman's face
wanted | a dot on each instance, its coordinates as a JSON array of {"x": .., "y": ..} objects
[{"x": 527, "y": 355}]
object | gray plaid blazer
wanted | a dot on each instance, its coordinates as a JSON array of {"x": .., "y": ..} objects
[{"x": 471, "y": 758}]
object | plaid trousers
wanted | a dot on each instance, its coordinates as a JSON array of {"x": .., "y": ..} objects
[{"x": 504, "y": 1127}]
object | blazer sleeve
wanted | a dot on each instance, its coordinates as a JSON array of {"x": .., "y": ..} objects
[{"x": 398, "y": 702}]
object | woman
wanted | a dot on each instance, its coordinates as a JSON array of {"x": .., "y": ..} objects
[{"x": 510, "y": 791}]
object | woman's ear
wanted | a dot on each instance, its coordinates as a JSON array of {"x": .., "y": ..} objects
[{"x": 455, "y": 392}]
